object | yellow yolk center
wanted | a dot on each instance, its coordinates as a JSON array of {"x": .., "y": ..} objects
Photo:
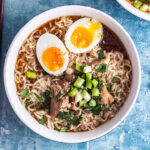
[
  {"x": 53, "y": 58},
  {"x": 82, "y": 37}
]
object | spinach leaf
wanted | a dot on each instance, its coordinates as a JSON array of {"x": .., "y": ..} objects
[
  {"x": 109, "y": 87},
  {"x": 28, "y": 102},
  {"x": 60, "y": 93}
]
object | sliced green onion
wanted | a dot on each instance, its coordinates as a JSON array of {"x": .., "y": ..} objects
[
  {"x": 79, "y": 82},
  {"x": 25, "y": 93},
  {"x": 86, "y": 95},
  {"x": 82, "y": 103},
  {"x": 137, "y": 4},
  {"x": 92, "y": 103},
  {"x": 95, "y": 92},
  {"x": 43, "y": 120},
  {"x": 64, "y": 129},
  {"x": 94, "y": 82},
  {"x": 78, "y": 97},
  {"x": 31, "y": 75},
  {"x": 80, "y": 67},
  {"x": 115, "y": 79},
  {"x": 73, "y": 92},
  {"x": 89, "y": 76},
  {"x": 87, "y": 69},
  {"x": 88, "y": 83}
]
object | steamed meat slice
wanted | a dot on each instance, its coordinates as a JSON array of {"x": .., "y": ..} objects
[
  {"x": 62, "y": 103},
  {"x": 106, "y": 96},
  {"x": 58, "y": 105},
  {"x": 70, "y": 77},
  {"x": 56, "y": 86}
]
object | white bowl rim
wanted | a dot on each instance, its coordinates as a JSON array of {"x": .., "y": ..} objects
[
  {"x": 133, "y": 10},
  {"x": 44, "y": 134}
]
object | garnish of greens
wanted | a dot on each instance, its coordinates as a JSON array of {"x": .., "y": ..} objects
[
  {"x": 43, "y": 101},
  {"x": 70, "y": 117},
  {"x": 60, "y": 93},
  {"x": 101, "y": 68},
  {"x": 64, "y": 129},
  {"x": 28, "y": 102},
  {"x": 115, "y": 80},
  {"x": 25, "y": 93},
  {"x": 101, "y": 55},
  {"x": 43, "y": 120}
]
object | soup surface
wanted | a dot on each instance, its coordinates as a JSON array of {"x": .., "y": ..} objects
[{"x": 91, "y": 90}]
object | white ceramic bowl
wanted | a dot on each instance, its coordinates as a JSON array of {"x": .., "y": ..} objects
[
  {"x": 133, "y": 10},
  {"x": 10, "y": 86}
]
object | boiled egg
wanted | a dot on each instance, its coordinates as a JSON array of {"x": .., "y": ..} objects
[
  {"x": 52, "y": 54},
  {"x": 83, "y": 35}
]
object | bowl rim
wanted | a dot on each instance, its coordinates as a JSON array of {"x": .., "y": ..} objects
[
  {"x": 43, "y": 134},
  {"x": 133, "y": 10}
]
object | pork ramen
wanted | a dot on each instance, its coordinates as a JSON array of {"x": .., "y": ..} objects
[{"x": 73, "y": 74}]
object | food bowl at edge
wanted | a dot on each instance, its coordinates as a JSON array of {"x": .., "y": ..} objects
[
  {"x": 10, "y": 86},
  {"x": 134, "y": 10}
]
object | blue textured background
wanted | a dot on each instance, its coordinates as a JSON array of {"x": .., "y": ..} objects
[{"x": 132, "y": 134}]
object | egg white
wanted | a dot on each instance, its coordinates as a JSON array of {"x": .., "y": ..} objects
[
  {"x": 84, "y": 22},
  {"x": 49, "y": 40}
]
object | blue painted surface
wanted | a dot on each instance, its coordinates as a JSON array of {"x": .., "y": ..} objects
[{"x": 132, "y": 134}]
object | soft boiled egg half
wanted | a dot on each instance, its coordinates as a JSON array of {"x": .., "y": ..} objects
[
  {"x": 83, "y": 35},
  {"x": 52, "y": 54}
]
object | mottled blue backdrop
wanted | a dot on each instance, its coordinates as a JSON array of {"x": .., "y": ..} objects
[{"x": 132, "y": 134}]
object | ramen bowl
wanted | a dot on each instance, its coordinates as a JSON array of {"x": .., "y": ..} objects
[
  {"x": 10, "y": 87},
  {"x": 134, "y": 10}
]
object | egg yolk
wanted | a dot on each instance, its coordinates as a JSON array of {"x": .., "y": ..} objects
[
  {"x": 82, "y": 37},
  {"x": 53, "y": 58}
]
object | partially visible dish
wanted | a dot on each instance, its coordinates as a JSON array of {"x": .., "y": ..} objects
[
  {"x": 142, "y": 5},
  {"x": 139, "y": 8},
  {"x": 79, "y": 88}
]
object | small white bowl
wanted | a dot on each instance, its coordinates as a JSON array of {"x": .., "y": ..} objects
[
  {"x": 10, "y": 86},
  {"x": 134, "y": 10}
]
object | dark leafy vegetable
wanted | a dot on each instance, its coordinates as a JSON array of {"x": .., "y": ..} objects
[
  {"x": 43, "y": 120},
  {"x": 64, "y": 129},
  {"x": 117, "y": 93},
  {"x": 60, "y": 93},
  {"x": 55, "y": 128},
  {"x": 101, "y": 55},
  {"x": 96, "y": 110},
  {"x": 101, "y": 68},
  {"x": 102, "y": 83},
  {"x": 28, "y": 102},
  {"x": 70, "y": 117},
  {"x": 25, "y": 93},
  {"x": 115, "y": 79},
  {"x": 98, "y": 98},
  {"x": 109, "y": 87}
]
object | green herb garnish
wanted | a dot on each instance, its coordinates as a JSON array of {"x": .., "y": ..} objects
[
  {"x": 64, "y": 129},
  {"x": 101, "y": 54},
  {"x": 25, "y": 93},
  {"x": 101, "y": 68},
  {"x": 117, "y": 93},
  {"x": 60, "y": 93},
  {"x": 38, "y": 97},
  {"x": 43, "y": 120},
  {"x": 109, "y": 87},
  {"x": 28, "y": 102},
  {"x": 115, "y": 79}
]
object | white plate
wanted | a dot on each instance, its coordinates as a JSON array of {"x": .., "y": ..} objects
[
  {"x": 134, "y": 10},
  {"x": 10, "y": 86}
]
